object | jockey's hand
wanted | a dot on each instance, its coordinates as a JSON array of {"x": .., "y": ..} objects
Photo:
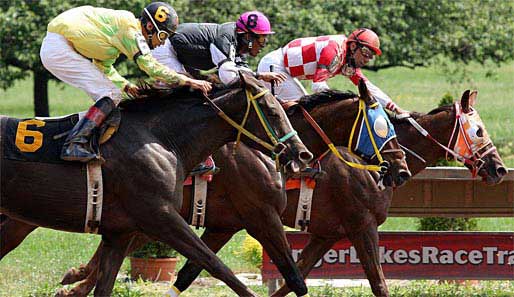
[
  {"x": 201, "y": 85},
  {"x": 132, "y": 90},
  {"x": 277, "y": 77},
  {"x": 400, "y": 111}
]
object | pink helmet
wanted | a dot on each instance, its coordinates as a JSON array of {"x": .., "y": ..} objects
[
  {"x": 366, "y": 37},
  {"x": 255, "y": 22}
]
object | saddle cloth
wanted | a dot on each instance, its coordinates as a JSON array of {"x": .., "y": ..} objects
[{"x": 41, "y": 139}]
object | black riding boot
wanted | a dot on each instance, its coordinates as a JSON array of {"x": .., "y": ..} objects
[{"x": 77, "y": 146}]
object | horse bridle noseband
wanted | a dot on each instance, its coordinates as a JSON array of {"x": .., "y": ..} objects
[{"x": 475, "y": 162}]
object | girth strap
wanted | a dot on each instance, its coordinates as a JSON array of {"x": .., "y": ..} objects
[
  {"x": 94, "y": 196},
  {"x": 303, "y": 210},
  {"x": 199, "y": 202}
]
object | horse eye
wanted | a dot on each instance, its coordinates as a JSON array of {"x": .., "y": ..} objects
[{"x": 480, "y": 133}]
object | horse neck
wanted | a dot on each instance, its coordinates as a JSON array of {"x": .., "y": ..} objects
[
  {"x": 439, "y": 126},
  {"x": 335, "y": 119},
  {"x": 196, "y": 132}
]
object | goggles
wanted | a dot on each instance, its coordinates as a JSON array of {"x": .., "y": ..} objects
[
  {"x": 367, "y": 52},
  {"x": 161, "y": 34},
  {"x": 261, "y": 39}
]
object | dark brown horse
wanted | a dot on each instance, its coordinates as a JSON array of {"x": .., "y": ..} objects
[
  {"x": 239, "y": 200},
  {"x": 347, "y": 202},
  {"x": 157, "y": 144}
]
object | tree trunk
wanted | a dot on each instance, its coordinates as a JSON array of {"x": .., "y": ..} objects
[{"x": 41, "y": 79}]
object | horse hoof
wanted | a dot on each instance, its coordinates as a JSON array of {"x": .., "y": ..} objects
[
  {"x": 61, "y": 293},
  {"x": 74, "y": 275}
]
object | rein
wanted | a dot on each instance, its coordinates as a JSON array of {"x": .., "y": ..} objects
[
  {"x": 382, "y": 168},
  {"x": 475, "y": 161},
  {"x": 277, "y": 146}
]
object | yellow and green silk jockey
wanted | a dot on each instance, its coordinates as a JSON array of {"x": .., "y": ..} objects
[{"x": 102, "y": 34}]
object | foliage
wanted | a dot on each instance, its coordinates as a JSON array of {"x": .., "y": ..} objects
[
  {"x": 154, "y": 249},
  {"x": 251, "y": 252},
  {"x": 411, "y": 34},
  {"x": 447, "y": 224}
]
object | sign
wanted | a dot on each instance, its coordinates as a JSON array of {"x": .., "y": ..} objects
[{"x": 415, "y": 255}]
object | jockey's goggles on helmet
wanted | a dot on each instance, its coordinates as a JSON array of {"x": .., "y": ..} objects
[
  {"x": 367, "y": 52},
  {"x": 161, "y": 34}
]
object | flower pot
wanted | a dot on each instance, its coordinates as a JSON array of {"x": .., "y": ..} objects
[{"x": 153, "y": 269}]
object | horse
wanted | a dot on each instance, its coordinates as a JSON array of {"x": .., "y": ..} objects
[
  {"x": 348, "y": 202},
  {"x": 235, "y": 204},
  {"x": 157, "y": 143},
  {"x": 341, "y": 208}
]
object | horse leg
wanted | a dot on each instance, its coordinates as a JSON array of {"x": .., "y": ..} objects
[
  {"x": 111, "y": 257},
  {"x": 366, "y": 245},
  {"x": 87, "y": 274},
  {"x": 215, "y": 241},
  {"x": 169, "y": 227},
  {"x": 312, "y": 252},
  {"x": 12, "y": 233},
  {"x": 269, "y": 231}
]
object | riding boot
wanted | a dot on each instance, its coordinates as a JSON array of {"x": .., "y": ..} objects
[{"x": 77, "y": 146}]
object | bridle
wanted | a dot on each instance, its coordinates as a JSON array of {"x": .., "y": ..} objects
[
  {"x": 277, "y": 146},
  {"x": 464, "y": 149}
]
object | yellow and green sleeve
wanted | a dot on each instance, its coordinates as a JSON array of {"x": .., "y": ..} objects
[
  {"x": 111, "y": 73},
  {"x": 156, "y": 70}
]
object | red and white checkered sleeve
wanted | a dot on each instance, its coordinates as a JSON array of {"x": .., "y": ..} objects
[{"x": 327, "y": 61}]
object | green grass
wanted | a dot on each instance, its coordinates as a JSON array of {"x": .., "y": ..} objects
[{"x": 35, "y": 268}]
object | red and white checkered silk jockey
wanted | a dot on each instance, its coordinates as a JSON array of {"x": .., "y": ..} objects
[{"x": 316, "y": 59}]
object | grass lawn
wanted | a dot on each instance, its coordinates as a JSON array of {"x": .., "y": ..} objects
[{"x": 35, "y": 268}]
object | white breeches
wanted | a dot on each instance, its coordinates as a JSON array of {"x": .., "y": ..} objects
[
  {"x": 60, "y": 58},
  {"x": 291, "y": 88}
]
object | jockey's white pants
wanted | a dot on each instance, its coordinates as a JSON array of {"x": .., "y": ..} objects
[
  {"x": 60, "y": 58},
  {"x": 291, "y": 88},
  {"x": 166, "y": 55}
]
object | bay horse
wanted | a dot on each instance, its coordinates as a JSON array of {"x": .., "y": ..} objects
[
  {"x": 341, "y": 208},
  {"x": 347, "y": 201},
  {"x": 234, "y": 203},
  {"x": 158, "y": 143}
]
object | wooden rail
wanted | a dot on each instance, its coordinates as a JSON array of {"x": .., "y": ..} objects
[{"x": 452, "y": 192}]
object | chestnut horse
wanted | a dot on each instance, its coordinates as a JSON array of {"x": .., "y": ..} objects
[
  {"x": 158, "y": 142},
  {"x": 234, "y": 203},
  {"x": 346, "y": 202}
]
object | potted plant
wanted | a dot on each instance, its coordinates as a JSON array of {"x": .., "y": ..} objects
[{"x": 154, "y": 261}]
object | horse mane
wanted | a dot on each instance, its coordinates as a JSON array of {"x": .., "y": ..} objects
[
  {"x": 151, "y": 96},
  {"x": 416, "y": 115},
  {"x": 310, "y": 101}
]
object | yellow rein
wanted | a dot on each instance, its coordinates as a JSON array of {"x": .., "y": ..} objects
[{"x": 242, "y": 130}]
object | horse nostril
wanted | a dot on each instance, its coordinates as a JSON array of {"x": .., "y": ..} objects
[
  {"x": 501, "y": 171},
  {"x": 305, "y": 157}
]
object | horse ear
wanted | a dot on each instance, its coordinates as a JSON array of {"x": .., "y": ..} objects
[
  {"x": 363, "y": 90},
  {"x": 465, "y": 102},
  {"x": 242, "y": 78},
  {"x": 473, "y": 97}
]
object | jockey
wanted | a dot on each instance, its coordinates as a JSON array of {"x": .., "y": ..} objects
[
  {"x": 206, "y": 48},
  {"x": 81, "y": 47},
  {"x": 320, "y": 58}
]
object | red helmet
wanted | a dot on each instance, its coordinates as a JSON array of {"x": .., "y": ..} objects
[{"x": 367, "y": 38}]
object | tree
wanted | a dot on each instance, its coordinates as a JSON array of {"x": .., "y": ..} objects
[
  {"x": 412, "y": 32},
  {"x": 23, "y": 26}
]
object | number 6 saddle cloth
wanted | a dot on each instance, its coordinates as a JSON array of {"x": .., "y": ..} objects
[{"x": 41, "y": 139}]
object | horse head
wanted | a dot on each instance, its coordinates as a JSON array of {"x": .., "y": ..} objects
[
  {"x": 288, "y": 148},
  {"x": 394, "y": 165},
  {"x": 473, "y": 143}
]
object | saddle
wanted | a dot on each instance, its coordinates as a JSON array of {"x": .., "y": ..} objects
[{"x": 41, "y": 139}]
